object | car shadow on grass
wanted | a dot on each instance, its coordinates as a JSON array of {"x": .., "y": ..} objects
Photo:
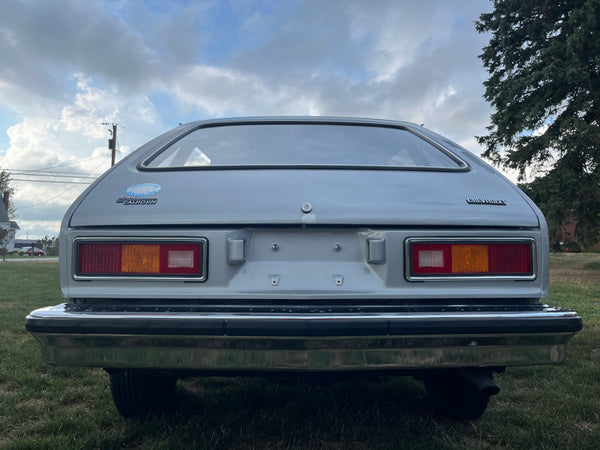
[{"x": 275, "y": 412}]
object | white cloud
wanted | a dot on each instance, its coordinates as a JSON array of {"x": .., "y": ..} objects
[
  {"x": 415, "y": 62},
  {"x": 541, "y": 130},
  {"x": 33, "y": 144},
  {"x": 400, "y": 33},
  {"x": 73, "y": 65},
  {"x": 37, "y": 229},
  {"x": 444, "y": 96},
  {"x": 220, "y": 91},
  {"x": 74, "y": 144},
  {"x": 94, "y": 106}
]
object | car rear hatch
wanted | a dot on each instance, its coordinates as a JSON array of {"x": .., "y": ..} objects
[{"x": 330, "y": 197}]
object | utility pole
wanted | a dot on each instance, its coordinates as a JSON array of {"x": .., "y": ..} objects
[{"x": 112, "y": 142}]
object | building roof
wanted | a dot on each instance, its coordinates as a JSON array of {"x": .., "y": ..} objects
[{"x": 25, "y": 241}]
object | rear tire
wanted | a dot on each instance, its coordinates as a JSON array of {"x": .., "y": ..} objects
[
  {"x": 138, "y": 393},
  {"x": 455, "y": 396}
]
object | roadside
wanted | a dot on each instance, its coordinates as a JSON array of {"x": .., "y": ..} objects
[{"x": 53, "y": 259}]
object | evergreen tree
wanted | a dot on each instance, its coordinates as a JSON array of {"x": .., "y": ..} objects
[
  {"x": 6, "y": 186},
  {"x": 543, "y": 58}
]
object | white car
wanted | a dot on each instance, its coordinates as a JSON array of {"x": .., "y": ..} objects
[{"x": 303, "y": 245}]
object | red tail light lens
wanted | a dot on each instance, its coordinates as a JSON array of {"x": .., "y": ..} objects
[
  {"x": 144, "y": 259},
  {"x": 448, "y": 259}
]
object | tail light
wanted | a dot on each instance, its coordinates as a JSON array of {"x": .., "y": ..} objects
[
  {"x": 143, "y": 258},
  {"x": 427, "y": 259}
]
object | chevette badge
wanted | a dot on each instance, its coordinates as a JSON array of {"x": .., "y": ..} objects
[
  {"x": 132, "y": 201},
  {"x": 486, "y": 201},
  {"x": 143, "y": 190}
]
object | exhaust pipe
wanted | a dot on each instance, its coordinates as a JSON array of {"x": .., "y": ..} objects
[
  {"x": 482, "y": 379},
  {"x": 461, "y": 393}
]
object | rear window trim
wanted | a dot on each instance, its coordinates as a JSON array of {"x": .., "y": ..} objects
[{"x": 463, "y": 166}]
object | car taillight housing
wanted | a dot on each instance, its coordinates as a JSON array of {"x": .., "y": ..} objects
[
  {"x": 450, "y": 258},
  {"x": 140, "y": 258}
]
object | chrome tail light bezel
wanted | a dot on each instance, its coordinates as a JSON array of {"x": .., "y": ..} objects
[
  {"x": 201, "y": 276},
  {"x": 411, "y": 276}
]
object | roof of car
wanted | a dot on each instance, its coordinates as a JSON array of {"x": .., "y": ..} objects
[{"x": 298, "y": 119}]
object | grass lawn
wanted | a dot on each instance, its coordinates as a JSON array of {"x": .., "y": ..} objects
[{"x": 539, "y": 407}]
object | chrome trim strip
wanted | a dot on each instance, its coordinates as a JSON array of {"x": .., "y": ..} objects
[
  {"x": 468, "y": 240},
  {"x": 132, "y": 240},
  {"x": 242, "y": 354},
  {"x": 58, "y": 312}
]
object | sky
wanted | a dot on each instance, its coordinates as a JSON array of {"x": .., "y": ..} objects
[{"x": 69, "y": 67}]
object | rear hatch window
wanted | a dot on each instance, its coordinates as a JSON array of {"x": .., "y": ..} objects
[{"x": 281, "y": 145}]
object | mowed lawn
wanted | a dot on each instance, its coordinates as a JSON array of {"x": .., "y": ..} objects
[{"x": 539, "y": 407}]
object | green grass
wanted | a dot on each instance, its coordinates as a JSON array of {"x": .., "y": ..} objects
[
  {"x": 539, "y": 407},
  {"x": 10, "y": 257}
]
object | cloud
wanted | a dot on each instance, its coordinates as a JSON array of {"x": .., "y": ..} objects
[
  {"x": 219, "y": 91},
  {"x": 42, "y": 41},
  {"x": 72, "y": 146},
  {"x": 396, "y": 60},
  {"x": 73, "y": 65},
  {"x": 51, "y": 38},
  {"x": 414, "y": 62},
  {"x": 41, "y": 142},
  {"x": 93, "y": 106},
  {"x": 37, "y": 229}
]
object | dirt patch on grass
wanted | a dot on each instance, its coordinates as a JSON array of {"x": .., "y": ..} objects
[
  {"x": 575, "y": 275},
  {"x": 32, "y": 403},
  {"x": 575, "y": 267},
  {"x": 7, "y": 305},
  {"x": 9, "y": 391},
  {"x": 586, "y": 426}
]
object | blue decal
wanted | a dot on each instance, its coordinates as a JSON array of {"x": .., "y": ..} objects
[{"x": 143, "y": 190}]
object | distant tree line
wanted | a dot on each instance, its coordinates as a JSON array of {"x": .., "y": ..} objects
[
  {"x": 7, "y": 186},
  {"x": 49, "y": 245},
  {"x": 3, "y": 242}
]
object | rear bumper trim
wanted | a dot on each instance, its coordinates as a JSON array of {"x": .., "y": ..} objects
[{"x": 302, "y": 342}]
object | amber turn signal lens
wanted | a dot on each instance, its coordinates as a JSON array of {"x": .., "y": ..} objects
[
  {"x": 470, "y": 259},
  {"x": 140, "y": 258}
]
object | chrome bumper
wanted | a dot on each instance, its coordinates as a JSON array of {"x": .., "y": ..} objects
[{"x": 243, "y": 342}]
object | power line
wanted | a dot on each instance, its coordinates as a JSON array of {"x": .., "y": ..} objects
[
  {"x": 60, "y": 194},
  {"x": 42, "y": 171},
  {"x": 31, "y": 115},
  {"x": 45, "y": 211},
  {"x": 52, "y": 181},
  {"x": 50, "y": 175},
  {"x": 41, "y": 116},
  {"x": 46, "y": 169},
  {"x": 73, "y": 163},
  {"x": 136, "y": 131}
]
